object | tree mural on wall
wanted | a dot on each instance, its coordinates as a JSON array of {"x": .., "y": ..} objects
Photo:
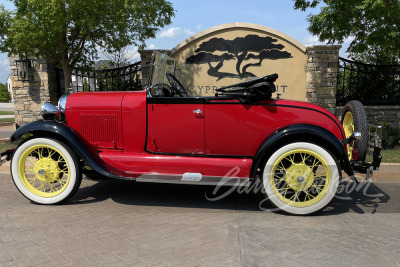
[{"x": 242, "y": 49}]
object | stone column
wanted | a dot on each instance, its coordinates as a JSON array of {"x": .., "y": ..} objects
[
  {"x": 322, "y": 72},
  {"x": 146, "y": 56},
  {"x": 29, "y": 96}
]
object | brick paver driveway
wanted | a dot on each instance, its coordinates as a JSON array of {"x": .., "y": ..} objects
[{"x": 125, "y": 223}]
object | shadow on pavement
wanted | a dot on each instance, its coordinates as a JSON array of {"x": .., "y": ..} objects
[
  {"x": 168, "y": 195},
  {"x": 368, "y": 198}
]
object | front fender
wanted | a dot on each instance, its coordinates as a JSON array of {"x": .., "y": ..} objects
[
  {"x": 70, "y": 138},
  {"x": 302, "y": 132}
]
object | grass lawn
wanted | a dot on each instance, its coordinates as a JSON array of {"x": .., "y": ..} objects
[
  {"x": 4, "y": 145},
  {"x": 388, "y": 156},
  {"x": 7, "y": 119},
  {"x": 6, "y": 112}
]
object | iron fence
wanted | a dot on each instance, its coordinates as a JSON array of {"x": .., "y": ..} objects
[
  {"x": 370, "y": 84},
  {"x": 127, "y": 78}
]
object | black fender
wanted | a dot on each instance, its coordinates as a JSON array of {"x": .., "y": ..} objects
[
  {"x": 63, "y": 133},
  {"x": 302, "y": 132}
]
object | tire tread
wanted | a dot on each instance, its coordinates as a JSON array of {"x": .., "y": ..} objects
[{"x": 360, "y": 125}]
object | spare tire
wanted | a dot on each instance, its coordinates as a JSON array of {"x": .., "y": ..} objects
[{"x": 354, "y": 119}]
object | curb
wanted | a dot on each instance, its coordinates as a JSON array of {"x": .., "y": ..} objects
[
  {"x": 389, "y": 168},
  {"x": 8, "y": 123}
]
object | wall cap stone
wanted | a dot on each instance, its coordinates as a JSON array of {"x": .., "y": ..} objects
[{"x": 239, "y": 25}]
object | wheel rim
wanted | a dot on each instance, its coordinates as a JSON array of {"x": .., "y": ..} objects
[
  {"x": 44, "y": 171},
  {"x": 348, "y": 126},
  {"x": 300, "y": 178}
]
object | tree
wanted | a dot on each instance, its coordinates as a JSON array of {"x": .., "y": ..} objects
[
  {"x": 69, "y": 32},
  {"x": 4, "y": 94},
  {"x": 119, "y": 58},
  {"x": 374, "y": 24},
  {"x": 239, "y": 48},
  {"x": 375, "y": 55}
]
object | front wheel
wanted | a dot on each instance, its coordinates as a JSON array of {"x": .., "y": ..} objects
[
  {"x": 45, "y": 171},
  {"x": 301, "y": 178}
]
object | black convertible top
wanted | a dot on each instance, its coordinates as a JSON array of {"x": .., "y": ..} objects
[{"x": 252, "y": 89}]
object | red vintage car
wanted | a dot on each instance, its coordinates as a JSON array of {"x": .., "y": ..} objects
[{"x": 237, "y": 137}]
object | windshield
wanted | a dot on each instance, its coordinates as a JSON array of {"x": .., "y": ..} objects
[{"x": 161, "y": 65}]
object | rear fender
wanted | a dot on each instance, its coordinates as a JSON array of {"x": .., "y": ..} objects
[
  {"x": 302, "y": 133},
  {"x": 68, "y": 136}
]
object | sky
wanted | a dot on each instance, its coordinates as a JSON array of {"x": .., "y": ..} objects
[{"x": 192, "y": 17}]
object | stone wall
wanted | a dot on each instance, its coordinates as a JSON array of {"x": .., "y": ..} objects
[
  {"x": 29, "y": 96},
  {"x": 322, "y": 72},
  {"x": 379, "y": 114}
]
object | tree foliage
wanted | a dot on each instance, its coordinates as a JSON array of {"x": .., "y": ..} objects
[
  {"x": 70, "y": 32},
  {"x": 4, "y": 94},
  {"x": 374, "y": 24}
]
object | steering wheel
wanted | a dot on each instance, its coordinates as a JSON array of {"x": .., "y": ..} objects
[
  {"x": 161, "y": 90},
  {"x": 176, "y": 85}
]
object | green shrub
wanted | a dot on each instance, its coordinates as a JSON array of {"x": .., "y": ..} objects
[
  {"x": 86, "y": 87},
  {"x": 390, "y": 136}
]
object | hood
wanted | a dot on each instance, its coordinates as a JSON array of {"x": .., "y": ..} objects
[{"x": 107, "y": 101}]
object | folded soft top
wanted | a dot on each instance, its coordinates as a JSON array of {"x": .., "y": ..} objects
[{"x": 252, "y": 89}]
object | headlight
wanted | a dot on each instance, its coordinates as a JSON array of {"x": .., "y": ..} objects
[
  {"x": 61, "y": 106},
  {"x": 49, "y": 111}
]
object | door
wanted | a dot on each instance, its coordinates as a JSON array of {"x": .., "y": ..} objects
[
  {"x": 175, "y": 126},
  {"x": 234, "y": 128}
]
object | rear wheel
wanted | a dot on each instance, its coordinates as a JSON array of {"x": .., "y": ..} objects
[
  {"x": 354, "y": 119},
  {"x": 45, "y": 171},
  {"x": 301, "y": 178}
]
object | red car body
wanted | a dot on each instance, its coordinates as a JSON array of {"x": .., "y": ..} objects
[
  {"x": 146, "y": 136},
  {"x": 239, "y": 137}
]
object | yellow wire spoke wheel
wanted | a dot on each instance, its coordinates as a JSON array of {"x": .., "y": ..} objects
[
  {"x": 348, "y": 126},
  {"x": 45, "y": 171},
  {"x": 301, "y": 178}
]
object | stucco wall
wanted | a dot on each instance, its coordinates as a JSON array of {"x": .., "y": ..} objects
[
  {"x": 263, "y": 50},
  {"x": 305, "y": 73}
]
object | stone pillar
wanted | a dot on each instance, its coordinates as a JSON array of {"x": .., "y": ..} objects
[
  {"x": 146, "y": 56},
  {"x": 29, "y": 96},
  {"x": 322, "y": 72}
]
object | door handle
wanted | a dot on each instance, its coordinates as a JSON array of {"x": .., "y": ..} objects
[{"x": 197, "y": 111}]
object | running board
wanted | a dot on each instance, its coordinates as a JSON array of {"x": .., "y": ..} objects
[{"x": 194, "y": 179}]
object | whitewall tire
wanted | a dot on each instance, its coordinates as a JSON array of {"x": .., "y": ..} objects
[
  {"x": 45, "y": 171},
  {"x": 301, "y": 178}
]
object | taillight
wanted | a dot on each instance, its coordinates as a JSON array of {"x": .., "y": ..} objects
[{"x": 355, "y": 154}]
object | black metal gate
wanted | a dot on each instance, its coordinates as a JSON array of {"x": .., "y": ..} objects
[
  {"x": 370, "y": 84},
  {"x": 127, "y": 78}
]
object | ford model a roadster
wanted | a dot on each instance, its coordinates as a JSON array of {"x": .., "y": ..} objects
[{"x": 163, "y": 134}]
